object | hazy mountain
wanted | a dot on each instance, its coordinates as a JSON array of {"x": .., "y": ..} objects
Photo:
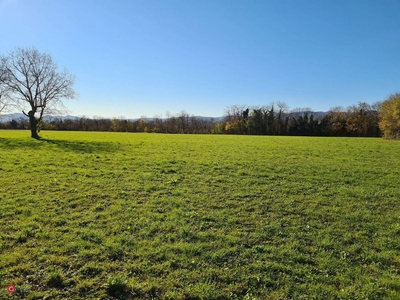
[
  {"x": 17, "y": 116},
  {"x": 9, "y": 117}
]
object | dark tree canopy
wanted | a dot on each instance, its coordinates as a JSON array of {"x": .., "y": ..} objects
[{"x": 32, "y": 81}]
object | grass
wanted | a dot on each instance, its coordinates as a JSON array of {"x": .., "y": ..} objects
[{"x": 151, "y": 216}]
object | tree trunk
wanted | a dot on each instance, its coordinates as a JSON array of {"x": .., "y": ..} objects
[{"x": 33, "y": 123}]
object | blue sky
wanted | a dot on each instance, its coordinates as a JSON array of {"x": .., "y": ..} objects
[{"x": 133, "y": 58}]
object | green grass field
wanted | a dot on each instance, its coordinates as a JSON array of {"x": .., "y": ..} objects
[{"x": 150, "y": 216}]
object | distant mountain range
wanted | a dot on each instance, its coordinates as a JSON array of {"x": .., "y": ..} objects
[{"x": 16, "y": 116}]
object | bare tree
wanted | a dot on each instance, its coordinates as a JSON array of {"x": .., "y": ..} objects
[
  {"x": 183, "y": 118},
  {"x": 33, "y": 81}
]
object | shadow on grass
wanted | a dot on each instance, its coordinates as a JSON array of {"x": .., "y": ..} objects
[
  {"x": 75, "y": 146},
  {"x": 83, "y": 146},
  {"x": 9, "y": 144}
]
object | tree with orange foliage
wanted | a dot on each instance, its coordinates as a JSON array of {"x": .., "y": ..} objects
[{"x": 389, "y": 112}]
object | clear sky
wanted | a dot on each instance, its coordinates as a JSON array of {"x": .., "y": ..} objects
[{"x": 146, "y": 57}]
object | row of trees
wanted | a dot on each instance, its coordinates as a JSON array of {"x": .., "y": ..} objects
[
  {"x": 180, "y": 123},
  {"x": 356, "y": 120}
]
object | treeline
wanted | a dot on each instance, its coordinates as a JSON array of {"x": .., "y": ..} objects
[
  {"x": 358, "y": 120},
  {"x": 180, "y": 123},
  {"x": 275, "y": 119}
]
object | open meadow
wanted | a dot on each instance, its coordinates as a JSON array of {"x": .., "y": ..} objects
[{"x": 95, "y": 215}]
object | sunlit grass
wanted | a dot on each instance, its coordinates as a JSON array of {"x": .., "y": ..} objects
[{"x": 118, "y": 215}]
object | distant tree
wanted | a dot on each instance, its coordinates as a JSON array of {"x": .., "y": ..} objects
[
  {"x": 256, "y": 122},
  {"x": 13, "y": 124},
  {"x": 389, "y": 112},
  {"x": 362, "y": 120},
  {"x": 142, "y": 124},
  {"x": 158, "y": 123},
  {"x": 232, "y": 126},
  {"x": 183, "y": 123},
  {"x": 282, "y": 118},
  {"x": 32, "y": 80},
  {"x": 244, "y": 124},
  {"x": 269, "y": 118},
  {"x": 336, "y": 121},
  {"x": 234, "y": 119},
  {"x": 218, "y": 127}
]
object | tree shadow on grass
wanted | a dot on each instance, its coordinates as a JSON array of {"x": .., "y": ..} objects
[
  {"x": 83, "y": 146},
  {"x": 10, "y": 144},
  {"x": 66, "y": 145}
]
